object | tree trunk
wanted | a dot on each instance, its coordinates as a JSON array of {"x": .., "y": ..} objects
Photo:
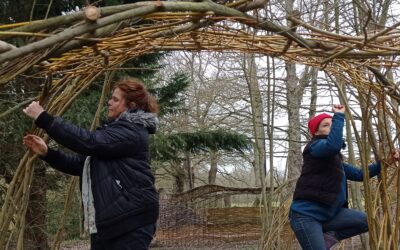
[
  {"x": 250, "y": 72},
  {"x": 294, "y": 160},
  {"x": 180, "y": 182},
  {"x": 187, "y": 166},
  {"x": 295, "y": 88},
  {"x": 314, "y": 96},
  {"x": 212, "y": 174},
  {"x": 178, "y": 174},
  {"x": 227, "y": 201},
  {"x": 294, "y": 95}
]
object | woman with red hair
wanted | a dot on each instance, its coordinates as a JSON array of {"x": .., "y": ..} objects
[{"x": 117, "y": 185}]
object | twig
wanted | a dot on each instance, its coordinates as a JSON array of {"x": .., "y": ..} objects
[{"x": 18, "y": 106}]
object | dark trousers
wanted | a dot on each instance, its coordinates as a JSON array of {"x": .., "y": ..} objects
[{"x": 138, "y": 239}]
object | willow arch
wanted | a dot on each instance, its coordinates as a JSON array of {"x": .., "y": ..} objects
[{"x": 72, "y": 58}]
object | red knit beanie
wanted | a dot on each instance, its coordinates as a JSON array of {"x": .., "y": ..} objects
[{"x": 314, "y": 122}]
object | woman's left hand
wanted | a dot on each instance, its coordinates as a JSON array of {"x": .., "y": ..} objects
[
  {"x": 395, "y": 156},
  {"x": 33, "y": 110},
  {"x": 36, "y": 144}
]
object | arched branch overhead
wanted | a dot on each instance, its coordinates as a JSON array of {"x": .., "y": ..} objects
[{"x": 191, "y": 26}]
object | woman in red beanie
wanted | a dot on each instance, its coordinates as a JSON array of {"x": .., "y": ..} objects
[{"x": 319, "y": 215}]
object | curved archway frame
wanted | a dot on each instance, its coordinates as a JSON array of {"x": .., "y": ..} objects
[{"x": 194, "y": 26}]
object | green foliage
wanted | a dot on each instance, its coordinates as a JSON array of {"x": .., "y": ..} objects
[
  {"x": 13, "y": 126},
  {"x": 170, "y": 97},
  {"x": 81, "y": 112},
  {"x": 19, "y": 11},
  {"x": 171, "y": 147},
  {"x": 144, "y": 67},
  {"x": 55, "y": 209},
  {"x": 215, "y": 140}
]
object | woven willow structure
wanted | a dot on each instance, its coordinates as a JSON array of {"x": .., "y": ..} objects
[{"x": 72, "y": 51}]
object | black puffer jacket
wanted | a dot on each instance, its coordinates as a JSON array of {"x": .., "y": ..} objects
[{"x": 122, "y": 183}]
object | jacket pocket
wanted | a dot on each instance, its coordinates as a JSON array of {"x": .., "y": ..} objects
[{"x": 131, "y": 194}]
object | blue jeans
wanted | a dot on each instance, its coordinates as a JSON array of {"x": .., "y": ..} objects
[{"x": 310, "y": 232}]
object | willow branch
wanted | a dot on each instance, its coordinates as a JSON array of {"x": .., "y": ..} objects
[{"x": 152, "y": 7}]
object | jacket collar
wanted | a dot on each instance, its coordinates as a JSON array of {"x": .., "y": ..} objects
[{"x": 139, "y": 116}]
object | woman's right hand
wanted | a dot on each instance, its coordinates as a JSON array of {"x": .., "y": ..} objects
[
  {"x": 338, "y": 108},
  {"x": 36, "y": 144},
  {"x": 33, "y": 110}
]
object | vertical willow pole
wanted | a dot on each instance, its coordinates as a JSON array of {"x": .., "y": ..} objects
[
  {"x": 384, "y": 139},
  {"x": 369, "y": 201}
]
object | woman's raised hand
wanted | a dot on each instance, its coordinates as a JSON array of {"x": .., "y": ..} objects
[
  {"x": 338, "y": 108},
  {"x": 33, "y": 110}
]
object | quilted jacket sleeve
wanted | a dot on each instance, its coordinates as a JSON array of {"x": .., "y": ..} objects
[
  {"x": 71, "y": 164},
  {"x": 356, "y": 174},
  {"x": 121, "y": 139}
]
